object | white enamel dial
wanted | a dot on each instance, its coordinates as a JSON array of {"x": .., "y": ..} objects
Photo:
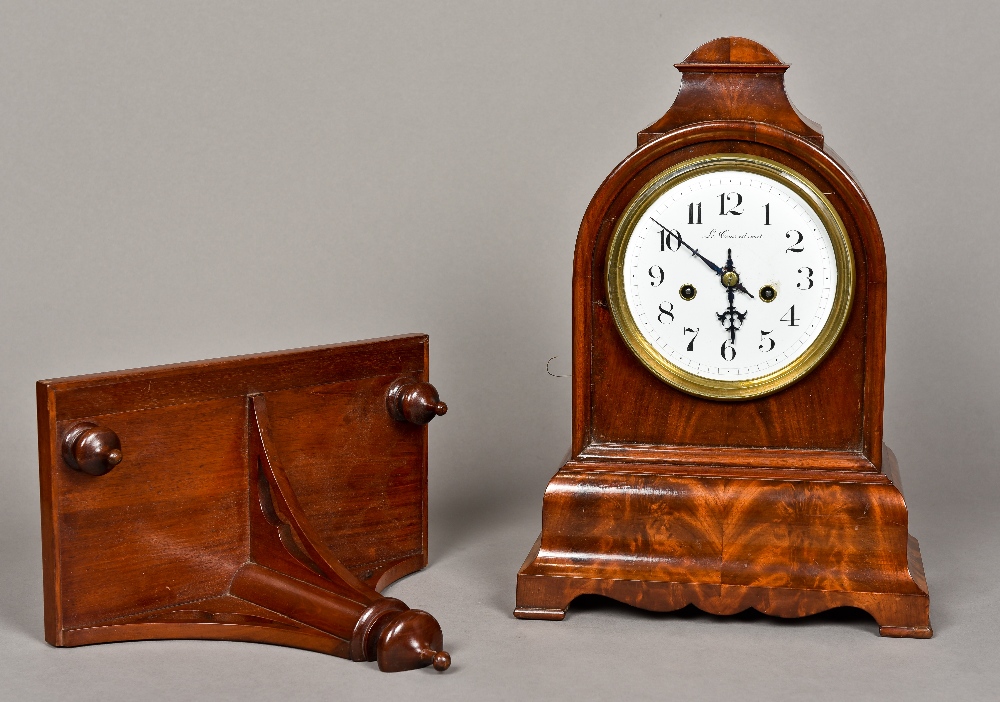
[{"x": 731, "y": 275}]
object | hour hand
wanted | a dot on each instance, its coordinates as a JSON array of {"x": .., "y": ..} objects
[
  {"x": 694, "y": 252},
  {"x": 732, "y": 282},
  {"x": 732, "y": 270}
]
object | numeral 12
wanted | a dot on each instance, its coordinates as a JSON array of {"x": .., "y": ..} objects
[{"x": 724, "y": 199}]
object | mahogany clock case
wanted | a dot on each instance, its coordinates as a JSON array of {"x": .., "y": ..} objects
[
  {"x": 264, "y": 498},
  {"x": 787, "y": 503}
]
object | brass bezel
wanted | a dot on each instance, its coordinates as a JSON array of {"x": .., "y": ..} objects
[{"x": 730, "y": 389}]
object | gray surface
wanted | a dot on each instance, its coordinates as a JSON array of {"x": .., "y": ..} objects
[{"x": 191, "y": 180}]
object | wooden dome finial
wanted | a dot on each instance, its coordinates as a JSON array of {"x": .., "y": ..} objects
[
  {"x": 734, "y": 51},
  {"x": 733, "y": 79}
]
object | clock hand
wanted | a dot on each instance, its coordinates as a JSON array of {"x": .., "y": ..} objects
[
  {"x": 731, "y": 319},
  {"x": 729, "y": 268},
  {"x": 739, "y": 286},
  {"x": 694, "y": 252}
]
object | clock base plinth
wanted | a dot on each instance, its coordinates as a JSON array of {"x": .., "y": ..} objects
[{"x": 789, "y": 548}]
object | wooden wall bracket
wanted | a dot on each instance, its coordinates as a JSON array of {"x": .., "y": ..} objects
[{"x": 264, "y": 498}]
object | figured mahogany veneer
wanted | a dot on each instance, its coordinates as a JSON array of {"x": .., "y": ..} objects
[
  {"x": 262, "y": 498},
  {"x": 786, "y": 503}
]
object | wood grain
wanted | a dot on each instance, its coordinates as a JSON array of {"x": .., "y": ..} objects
[{"x": 371, "y": 499}]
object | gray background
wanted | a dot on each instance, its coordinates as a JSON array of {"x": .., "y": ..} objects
[{"x": 191, "y": 180}]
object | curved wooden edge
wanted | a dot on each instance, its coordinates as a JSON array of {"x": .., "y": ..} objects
[
  {"x": 314, "y": 640},
  {"x": 548, "y": 597},
  {"x": 288, "y": 505},
  {"x": 221, "y": 618},
  {"x": 728, "y": 130},
  {"x": 384, "y": 576},
  {"x": 736, "y": 52}
]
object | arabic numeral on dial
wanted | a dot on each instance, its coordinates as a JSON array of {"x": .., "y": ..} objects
[
  {"x": 669, "y": 312},
  {"x": 728, "y": 350},
  {"x": 809, "y": 278},
  {"x": 789, "y": 317},
  {"x": 795, "y": 248},
  {"x": 767, "y": 214},
  {"x": 766, "y": 339},
  {"x": 690, "y": 346},
  {"x": 694, "y": 213},
  {"x": 670, "y": 240},
  {"x": 725, "y": 206}
]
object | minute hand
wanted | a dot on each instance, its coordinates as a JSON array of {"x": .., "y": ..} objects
[{"x": 694, "y": 252}]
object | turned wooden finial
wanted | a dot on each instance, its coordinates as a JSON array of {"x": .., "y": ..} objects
[
  {"x": 91, "y": 449},
  {"x": 733, "y": 79},
  {"x": 441, "y": 661},
  {"x": 411, "y": 639},
  {"x": 732, "y": 54},
  {"x": 412, "y": 401}
]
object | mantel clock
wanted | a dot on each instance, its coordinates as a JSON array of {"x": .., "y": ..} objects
[{"x": 729, "y": 298}]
